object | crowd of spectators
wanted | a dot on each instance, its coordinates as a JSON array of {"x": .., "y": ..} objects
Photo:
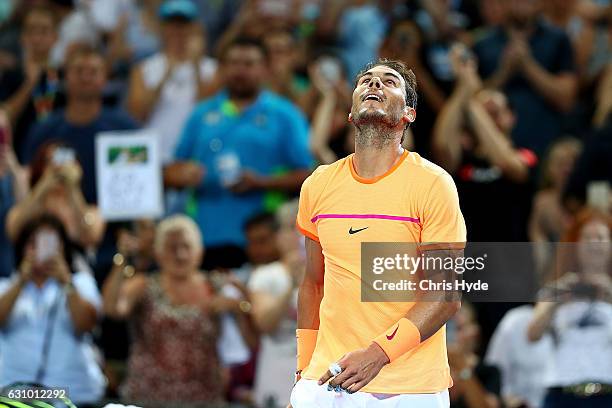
[{"x": 248, "y": 97}]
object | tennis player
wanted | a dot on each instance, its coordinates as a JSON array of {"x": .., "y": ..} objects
[{"x": 382, "y": 354}]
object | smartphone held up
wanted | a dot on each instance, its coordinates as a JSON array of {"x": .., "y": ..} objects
[{"x": 47, "y": 246}]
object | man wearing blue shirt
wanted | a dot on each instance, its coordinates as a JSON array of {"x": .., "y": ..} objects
[
  {"x": 84, "y": 116},
  {"x": 78, "y": 124},
  {"x": 239, "y": 150}
]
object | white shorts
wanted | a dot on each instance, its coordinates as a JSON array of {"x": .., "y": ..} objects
[{"x": 308, "y": 394}]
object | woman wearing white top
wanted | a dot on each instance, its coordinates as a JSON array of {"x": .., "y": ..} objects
[
  {"x": 165, "y": 87},
  {"x": 48, "y": 309},
  {"x": 580, "y": 324}
]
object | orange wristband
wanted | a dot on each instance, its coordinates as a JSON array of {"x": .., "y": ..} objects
[
  {"x": 306, "y": 342},
  {"x": 399, "y": 338}
]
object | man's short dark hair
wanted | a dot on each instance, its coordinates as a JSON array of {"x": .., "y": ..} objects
[
  {"x": 244, "y": 42},
  {"x": 403, "y": 70},
  {"x": 49, "y": 12}
]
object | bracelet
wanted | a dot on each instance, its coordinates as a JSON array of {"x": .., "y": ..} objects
[
  {"x": 119, "y": 261},
  {"x": 306, "y": 342}
]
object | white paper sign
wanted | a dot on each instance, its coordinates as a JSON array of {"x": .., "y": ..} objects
[{"x": 129, "y": 178}]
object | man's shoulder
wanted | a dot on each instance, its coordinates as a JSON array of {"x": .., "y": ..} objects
[
  {"x": 53, "y": 125},
  {"x": 325, "y": 173},
  {"x": 421, "y": 168}
]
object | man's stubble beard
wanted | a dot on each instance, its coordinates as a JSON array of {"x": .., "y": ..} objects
[
  {"x": 243, "y": 92},
  {"x": 375, "y": 129}
]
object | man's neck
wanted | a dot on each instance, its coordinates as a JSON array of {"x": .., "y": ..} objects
[
  {"x": 83, "y": 112},
  {"x": 375, "y": 159},
  {"x": 243, "y": 102}
]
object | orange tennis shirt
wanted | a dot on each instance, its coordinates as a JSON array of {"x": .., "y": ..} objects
[{"x": 415, "y": 201}]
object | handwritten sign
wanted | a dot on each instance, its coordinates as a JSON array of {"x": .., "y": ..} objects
[{"x": 129, "y": 177}]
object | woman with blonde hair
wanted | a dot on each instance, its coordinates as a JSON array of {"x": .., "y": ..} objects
[{"x": 173, "y": 317}]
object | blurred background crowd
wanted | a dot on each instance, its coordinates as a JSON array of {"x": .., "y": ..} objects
[{"x": 248, "y": 96}]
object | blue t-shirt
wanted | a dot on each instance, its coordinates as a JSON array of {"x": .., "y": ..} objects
[
  {"x": 7, "y": 200},
  {"x": 81, "y": 138},
  {"x": 268, "y": 138},
  {"x": 538, "y": 122}
]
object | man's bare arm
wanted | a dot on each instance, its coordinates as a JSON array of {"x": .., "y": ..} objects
[
  {"x": 495, "y": 145},
  {"x": 310, "y": 291}
]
